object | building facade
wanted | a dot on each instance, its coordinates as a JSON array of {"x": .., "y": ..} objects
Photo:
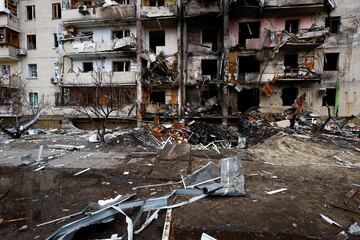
[{"x": 172, "y": 58}]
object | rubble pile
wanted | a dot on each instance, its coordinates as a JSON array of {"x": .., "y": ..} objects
[
  {"x": 253, "y": 128},
  {"x": 210, "y": 107}
]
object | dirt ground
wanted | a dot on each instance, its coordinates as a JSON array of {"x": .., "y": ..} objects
[{"x": 315, "y": 180}]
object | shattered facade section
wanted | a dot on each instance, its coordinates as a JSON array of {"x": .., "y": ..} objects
[
  {"x": 190, "y": 58},
  {"x": 281, "y": 57},
  {"x": 159, "y": 74},
  {"x": 203, "y": 61}
]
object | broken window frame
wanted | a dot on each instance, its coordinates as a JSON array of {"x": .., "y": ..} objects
[
  {"x": 287, "y": 101},
  {"x": 208, "y": 39},
  {"x": 123, "y": 66},
  {"x": 253, "y": 29},
  {"x": 161, "y": 43},
  {"x": 327, "y": 65},
  {"x": 209, "y": 71},
  {"x": 330, "y": 97},
  {"x": 30, "y": 12},
  {"x": 124, "y": 2},
  {"x": 32, "y": 71},
  {"x": 289, "y": 25},
  {"x": 56, "y": 42},
  {"x": 87, "y": 35},
  {"x": 290, "y": 66},
  {"x": 119, "y": 34},
  {"x": 154, "y": 97},
  {"x": 56, "y": 11},
  {"x": 242, "y": 71},
  {"x": 31, "y": 41},
  {"x": 33, "y": 99},
  {"x": 252, "y": 96},
  {"x": 84, "y": 96},
  {"x": 86, "y": 67},
  {"x": 156, "y": 3},
  {"x": 333, "y": 23}
]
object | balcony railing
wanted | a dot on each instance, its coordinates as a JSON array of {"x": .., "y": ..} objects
[
  {"x": 88, "y": 46},
  {"x": 10, "y": 81},
  {"x": 9, "y": 21},
  {"x": 8, "y": 52},
  {"x": 305, "y": 39},
  {"x": 200, "y": 7},
  {"x": 89, "y": 79},
  {"x": 73, "y": 14},
  {"x": 277, "y": 7},
  {"x": 161, "y": 11}
]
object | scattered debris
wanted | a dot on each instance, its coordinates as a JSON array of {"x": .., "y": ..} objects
[
  {"x": 81, "y": 172},
  {"x": 66, "y": 147},
  {"x": 354, "y": 229},
  {"x": 94, "y": 138},
  {"x": 2, "y": 220},
  {"x": 231, "y": 184},
  {"x": 205, "y": 236},
  {"x": 330, "y": 221},
  {"x": 23, "y": 228},
  {"x": 341, "y": 236},
  {"x": 39, "y": 168},
  {"x": 21, "y": 127},
  {"x": 277, "y": 191},
  {"x": 208, "y": 173},
  {"x": 167, "y": 225}
]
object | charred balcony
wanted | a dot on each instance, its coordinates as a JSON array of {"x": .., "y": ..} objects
[
  {"x": 299, "y": 40},
  {"x": 195, "y": 8},
  {"x": 279, "y": 7},
  {"x": 158, "y": 9},
  {"x": 90, "y": 12}
]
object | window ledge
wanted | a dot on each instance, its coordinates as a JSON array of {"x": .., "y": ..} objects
[{"x": 32, "y": 78}]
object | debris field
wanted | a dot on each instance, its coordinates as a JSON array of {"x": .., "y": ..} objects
[{"x": 259, "y": 179}]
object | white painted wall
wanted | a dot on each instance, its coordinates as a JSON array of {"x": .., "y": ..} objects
[{"x": 45, "y": 54}]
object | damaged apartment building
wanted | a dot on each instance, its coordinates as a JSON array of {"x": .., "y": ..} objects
[
  {"x": 175, "y": 58},
  {"x": 128, "y": 47},
  {"x": 283, "y": 49}
]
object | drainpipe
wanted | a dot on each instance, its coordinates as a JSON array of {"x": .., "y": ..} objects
[
  {"x": 139, "y": 65},
  {"x": 225, "y": 65},
  {"x": 180, "y": 58}
]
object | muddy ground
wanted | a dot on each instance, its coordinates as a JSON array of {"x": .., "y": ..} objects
[{"x": 315, "y": 181}]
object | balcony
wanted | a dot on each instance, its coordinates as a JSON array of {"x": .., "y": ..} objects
[
  {"x": 87, "y": 79},
  {"x": 298, "y": 75},
  {"x": 247, "y": 8},
  {"x": 93, "y": 15},
  {"x": 159, "y": 12},
  {"x": 12, "y": 82},
  {"x": 8, "y": 7},
  {"x": 9, "y": 21},
  {"x": 78, "y": 47},
  {"x": 304, "y": 40},
  {"x": 202, "y": 8},
  {"x": 8, "y": 53}
]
